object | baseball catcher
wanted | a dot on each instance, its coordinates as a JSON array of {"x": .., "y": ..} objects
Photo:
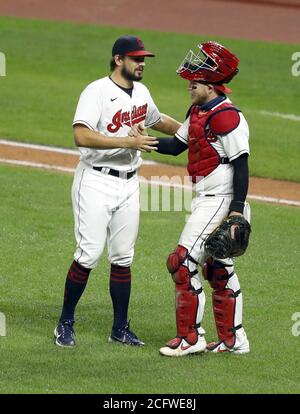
[{"x": 216, "y": 136}]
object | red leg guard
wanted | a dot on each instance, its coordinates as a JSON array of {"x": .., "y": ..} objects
[
  {"x": 223, "y": 301},
  {"x": 176, "y": 258},
  {"x": 186, "y": 297},
  {"x": 216, "y": 274},
  {"x": 186, "y": 304},
  {"x": 224, "y": 308}
]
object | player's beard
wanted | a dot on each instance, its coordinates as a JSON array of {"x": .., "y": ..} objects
[
  {"x": 130, "y": 76},
  {"x": 199, "y": 99}
]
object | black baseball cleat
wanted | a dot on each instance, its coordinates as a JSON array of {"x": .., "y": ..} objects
[
  {"x": 64, "y": 334},
  {"x": 125, "y": 336}
]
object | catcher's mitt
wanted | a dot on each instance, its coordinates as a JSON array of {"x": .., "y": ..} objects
[{"x": 220, "y": 244}]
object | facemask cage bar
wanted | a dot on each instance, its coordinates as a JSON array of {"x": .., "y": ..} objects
[{"x": 194, "y": 62}]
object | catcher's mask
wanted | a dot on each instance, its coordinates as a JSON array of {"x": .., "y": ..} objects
[{"x": 213, "y": 64}]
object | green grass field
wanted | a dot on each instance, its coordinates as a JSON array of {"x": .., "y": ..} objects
[
  {"x": 49, "y": 63},
  {"x": 36, "y": 247}
]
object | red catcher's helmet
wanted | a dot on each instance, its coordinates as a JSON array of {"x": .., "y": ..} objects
[{"x": 212, "y": 64}]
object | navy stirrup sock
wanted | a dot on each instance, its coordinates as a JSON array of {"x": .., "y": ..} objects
[
  {"x": 76, "y": 281},
  {"x": 120, "y": 286}
]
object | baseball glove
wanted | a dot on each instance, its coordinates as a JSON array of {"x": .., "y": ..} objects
[{"x": 220, "y": 243}]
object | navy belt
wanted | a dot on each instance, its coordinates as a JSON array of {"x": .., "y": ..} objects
[
  {"x": 115, "y": 173},
  {"x": 225, "y": 160}
]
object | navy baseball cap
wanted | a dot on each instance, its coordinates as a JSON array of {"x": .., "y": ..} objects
[{"x": 130, "y": 46}]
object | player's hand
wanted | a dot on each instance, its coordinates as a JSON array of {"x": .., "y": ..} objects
[
  {"x": 232, "y": 229},
  {"x": 137, "y": 129},
  {"x": 142, "y": 143}
]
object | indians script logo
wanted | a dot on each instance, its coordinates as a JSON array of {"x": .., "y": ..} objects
[{"x": 138, "y": 114}]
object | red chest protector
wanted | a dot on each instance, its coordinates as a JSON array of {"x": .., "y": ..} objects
[{"x": 204, "y": 127}]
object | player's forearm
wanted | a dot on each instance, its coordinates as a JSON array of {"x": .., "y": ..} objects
[
  {"x": 240, "y": 183},
  {"x": 167, "y": 125},
  {"x": 85, "y": 137},
  {"x": 170, "y": 146}
]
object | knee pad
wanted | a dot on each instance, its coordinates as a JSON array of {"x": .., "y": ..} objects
[
  {"x": 179, "y": 273},
  {"x": 216, "y": 273},
  {"x": 176, "y": 258}
]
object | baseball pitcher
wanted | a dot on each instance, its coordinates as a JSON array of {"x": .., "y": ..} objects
[{"x": 105, "y": 191}]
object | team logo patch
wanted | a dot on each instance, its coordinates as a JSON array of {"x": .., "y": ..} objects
[
  {"x": 140, "y": 43},
  {"x": 138, "y": 114}
]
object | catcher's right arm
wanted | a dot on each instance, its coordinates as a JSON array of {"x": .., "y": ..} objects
[{"x": 229, "y": 239}]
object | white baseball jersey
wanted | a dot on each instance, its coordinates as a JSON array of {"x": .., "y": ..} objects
[
  {"x": 231, "y": 145},
  {"x": 105, "y": 107}
]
